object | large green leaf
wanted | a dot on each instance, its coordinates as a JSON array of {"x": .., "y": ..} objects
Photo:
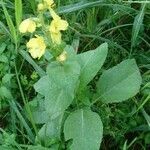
[
  {"x": 91, "y": 62},
  {"x": 39, "y": 147},
  {"x": 38, "y": 110},
  {"x": 43, "y": 82},
  {"x": 57, "y": 100},
  {"x": 64, "y": 76},
  {"x": 50, "y": 131},
  {"x": 85, "y": 128},
  {"x": 120, "y": 82},
  {"x": 58, "y": 86}
]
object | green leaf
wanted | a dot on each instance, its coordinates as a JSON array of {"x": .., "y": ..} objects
[
  {"x": 64, "y": 75},
  {"x": 85, "y": 128},
  {"x": 7, "y": 148},
  {"x": 138, "y": 21},
  {"x": 6, "y": 80},
  {"x": 125, "y": 145},
  {"x": 38, "y": 110},
  {"x": 75, "y": 43},
  {"x": 59, "y": 86},
  {"x": 33, "y": 5},
  {"x": 70, "y": 51},
  {"x": 2, "y": 48},
  {"x": 50, "y": 132},
  {"x": 5, "y": 93},
  {"x": 18, "y": 12},
  {"x": 22, "y": 121},
  {"x": 39, "y": 147},
  {"x": 120, "y": 82},
  {"x": 91, "y": 62},
  {"x": 10, "y": 23},
  {"x": 3, "y": 58},
  {"x": 85, "y": 4},
  {"x": 48, "y": 56},
  {"x": 4, "y": 29}
]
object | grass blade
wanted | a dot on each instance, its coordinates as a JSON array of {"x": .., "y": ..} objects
[
  {"x": 125, "y": 145},
  {"x": 83, "y": 5},
  {"x": 138, "y": 21},
  {"x": 26, "y": 56},
  {"x": 4, "y": 28},
  {"x": 146, "y": 116},
  {"x": 22, "y": 120},
  {"x": 18, "y": 12},
  {"x": 10, "y": 24}
]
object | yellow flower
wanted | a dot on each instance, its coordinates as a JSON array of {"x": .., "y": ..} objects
[
  {"x": 41, "y": 7},
  {"x": 56, "y": 37},
  {"x": 36, "y": 47},
  {"x": 56, "y": 26},
  {"x": 57, "y": 23},
  {"x": 28, "y": 25},
  {"x": 49, "y": 3},
  {"x": 46, "y": 4},
  {"x": 62, "y": 57}
]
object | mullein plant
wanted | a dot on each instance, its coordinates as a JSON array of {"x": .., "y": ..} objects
[
  {"x": 63, "y": 108},
  {"x": 51, "y": 34}
]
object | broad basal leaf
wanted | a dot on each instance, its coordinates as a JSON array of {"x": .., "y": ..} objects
[
  {"x": 38, "y": 110},
  {"x": 85, "y": 128},
  {"x": 91, "y": 62},
  {"x": 50, "y": 131},
  {"x": 64, "y": 76},
  {"x": 58, "y": 86},
  {"x": 120, "y": 82}
]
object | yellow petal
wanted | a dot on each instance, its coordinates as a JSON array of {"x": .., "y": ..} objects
[
  {"x": 49, "y": 3},
  {"x": 23, "y": 27},
  {"x": 36, "y": 46},
  {"x": 53, "y": 26},
  {"x": 27, "y": 25},
  {"x": 62, "y": 25},
  {"x": 54, "y": 15},
  {"x": 58, "y": 25},
  {"x": 32, "y": 27},
  {"x": 56, "y": 37}
]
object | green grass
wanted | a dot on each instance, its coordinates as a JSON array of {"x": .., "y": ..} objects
[{"x": 124, "y": 25}]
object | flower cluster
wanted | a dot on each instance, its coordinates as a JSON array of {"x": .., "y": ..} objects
[
  {"x": 56, "y": 26},
  {"x": 37, "y": 45}
]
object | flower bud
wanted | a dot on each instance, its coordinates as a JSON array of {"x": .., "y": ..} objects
[
  {"x": 41, "y": 7},
  {"x": 62, "y": 57}
]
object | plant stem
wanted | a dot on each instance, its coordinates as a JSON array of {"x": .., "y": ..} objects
[{"x": 27, "y": 107}]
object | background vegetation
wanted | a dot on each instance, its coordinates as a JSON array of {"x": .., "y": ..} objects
[{"x": 124, "y": 25}]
